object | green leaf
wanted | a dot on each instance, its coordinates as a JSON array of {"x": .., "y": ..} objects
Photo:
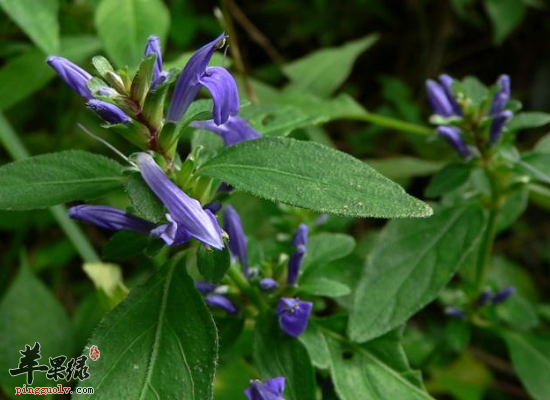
[
  {"x": 23, "y": 75},
  {"x": 530, "y": 356},
  {"x": 518, "y": 313},
  {"x": 212, "y": 263},
  {"x": 527, "y": 120},
  {"x": 326, "y": 247},
  {"x": 473, "y": 89},
  {"x": 323, "y": 71},
  {"x": 145, "y": 202},
  {"x": 161, "y": 340},
  {"x": 324, "y": 287},
  {"x": 38, "y": 19},
  {"x": 30, "y": 313},
  {"x": 311, "y": 176},
  {"x": 451, "y": 177},
  {"x": 378, "y": 370},
  {"x": 404, "y": 167},
  {"x": 290, "y": 359},
  {"x": 124, "y": 245},
  {"x": 413, "y": 260},
  {"x": 56, "y": 178},
  {"x": 125, "y": 25},
  {"x": 536, "y": 165},
  {"x": 505, "y": 15},
  {"x": 316, "y": 346}
]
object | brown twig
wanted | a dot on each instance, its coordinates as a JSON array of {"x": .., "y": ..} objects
[
  {"x": 255, "y": 33},
  {"x": 236, "y": 52}
]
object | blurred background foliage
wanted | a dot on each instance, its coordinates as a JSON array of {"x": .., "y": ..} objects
[{"x": 417, "y": 39}]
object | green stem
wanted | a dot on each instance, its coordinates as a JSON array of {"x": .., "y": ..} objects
[
  {"x": 486, "y": 246},
  {"x": 16, "y": 149},
  {"x": 242, "y": 283},
  {"x": 392, "y": 123}
]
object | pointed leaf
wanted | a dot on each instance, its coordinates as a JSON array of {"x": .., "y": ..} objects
[
  {"x": 56, "y": 178},
  {"x": 312, "y": 176},
  {"x": 161, "y": 340},
  {"x": 411, "y": 263}
]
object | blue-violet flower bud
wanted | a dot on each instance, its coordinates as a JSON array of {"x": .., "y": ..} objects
[
  {"x": 237, "y": 239},
  {"x": 447, "y": 84},
  {"x": 438, "y": 99},
  {"x": 293, "y": 315},
  {"x": 110, "y": 218},
  {"x": 221, "y": 302},
  {"x": 233, "y": 131},
  {"x": 268, "y": 285},
  {"x": 453, "y": 136},
  {"x": 299, "y": 241},
  {"x": 153, "y": 47},
  {"x": 502, "y": 96},
  {"x": 205, "y": 287},
  {"x": 485, "y": 297},
  {"x": 186, "y": 211},
  {"x": 72, "y": 75},
  {"x": 503, "y": 295},
  {"x": 498, "y": 124},
  {"x": 109, "y": 112},
  {"x": 271, "y": 389},
  {"x": 455, "y": 313}
]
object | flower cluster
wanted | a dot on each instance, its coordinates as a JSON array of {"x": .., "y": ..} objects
[
  {"x": 135, "y": 107},
  {"x": 455, "y": 110}
]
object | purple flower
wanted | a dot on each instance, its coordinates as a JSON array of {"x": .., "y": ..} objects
[
  {"x": 453, "y": 136},
  {"x": 109, "y": 112},
  {"x": 225, "y": 94},
  {"x": 502, "y": 96},
  {"x": 213, "y": 207},
  {"x": 299, "y": 241},
  {"x": 237, "y": 239},
  {"x": 293, "y": 315},
  {"x": 269, "y": 390},
  {"x": 438, "y": 99},
  {"x": 268, "y": 285},
  {"x": 498, "y": 124},
  {"x": 447, "y": 84},
  {"x": 205, "y": 287},
  {"x": 221, "y": 302},
  {"x": 153, "y": 47},
  {"x": 115, "y": 219},
  {"x": 503, "y": 295},
  {"x": 72, "y": 75},
  {"x": 184, "y": 210},
  {"x": 110, "y": 218},
  {"x": 233, "y": 131},
  {"x": 189, "y": 82},
  {"x": 171, "y": 233},
  {"x": 455, "y": 313}
]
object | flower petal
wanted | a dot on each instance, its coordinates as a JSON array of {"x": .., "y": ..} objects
[
  {"x": 223, "y": 88},
  {"x": 110, "y": 218},
  {"x": 184, "y": 210}
]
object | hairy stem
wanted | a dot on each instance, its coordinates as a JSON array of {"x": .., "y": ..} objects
[{"x": 392, "y": 123}]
